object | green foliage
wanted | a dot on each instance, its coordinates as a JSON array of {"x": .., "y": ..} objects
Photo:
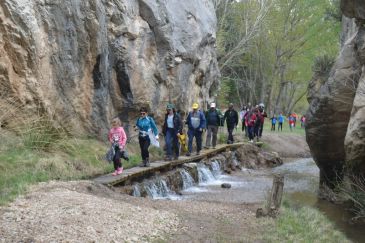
[
  {"x": 268, "y": 49},
  {"x": 303, "y": 224},
  {"x": 353, "y": 190}
]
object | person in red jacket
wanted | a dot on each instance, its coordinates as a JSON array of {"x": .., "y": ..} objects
[{"x": 250, "y": 119}]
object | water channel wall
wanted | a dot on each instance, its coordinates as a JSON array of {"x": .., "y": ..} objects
[{"x": 205, "y": 170}]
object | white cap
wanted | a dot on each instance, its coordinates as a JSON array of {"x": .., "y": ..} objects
[{"x": 212, "y": 105}]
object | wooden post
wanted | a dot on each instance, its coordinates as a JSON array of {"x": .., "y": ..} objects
[{"x": 274, "y": 201}]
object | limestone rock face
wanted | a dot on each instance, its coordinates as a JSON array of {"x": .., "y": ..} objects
[
  {"x": 337, "y": 104},
  {"x": 86, "y": 61}
]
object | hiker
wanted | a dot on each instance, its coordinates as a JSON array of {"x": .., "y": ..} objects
[
  {"x": 273, "y": 122},
  {"x": 291, "y": 122},
  {"x": 250, "y": 119},
  {"x": 262, "y": 117},
  {"x": 231, "y": 117},
  {"x": 146, "y": 125},
  {"x": 302, "y": 121},
  {"x": 258, "y": 123},
  {"x": 183, "y": 141},
  {"x": 171, "y": 130},
  {"x": 118, "y": 139},
  {"x": 281, "y": 121},
  {"x": 213, "y": 120},
  {"x": 196, "y": 123},
  {"x": 242, "y": 118}
]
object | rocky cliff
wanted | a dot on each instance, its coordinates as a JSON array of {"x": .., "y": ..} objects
[
  {"x": 336, "y": 116},
  {"x": 85, "y": 61}
]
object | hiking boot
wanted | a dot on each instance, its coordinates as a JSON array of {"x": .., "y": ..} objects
[
  {"x": 188, "y": 154},
  {"x": 147, "y": 162},
  {"x": 213, "y": 147},
  {"x": 143, "y": 164},
  {"x": 119, "y": 170},
  {"x": 206, "y": 147},
  {"x": 115, "y": 173},
  {"x": 198, "y": 153},
  {"x": 176, "y": 157}
]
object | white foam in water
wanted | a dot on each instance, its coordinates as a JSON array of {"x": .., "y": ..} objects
[
  {"x": 188, "y": 181},
  {"x": 195, "y": 189},
  {"x": 136, "y": 191},
  {"x": 204, "y": 174},
  {"x": 216, "y": 168}
]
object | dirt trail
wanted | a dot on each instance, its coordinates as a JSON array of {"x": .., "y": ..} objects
[{"x": 86, "y": 212}]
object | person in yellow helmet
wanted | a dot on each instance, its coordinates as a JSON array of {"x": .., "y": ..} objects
[{"x": 196, "y": 123}]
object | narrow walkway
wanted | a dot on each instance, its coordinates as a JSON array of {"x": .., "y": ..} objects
[{"x": 137, "y": 172}]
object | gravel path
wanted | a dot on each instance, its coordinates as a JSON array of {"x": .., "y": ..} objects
[{"x": 81, "y": 212}]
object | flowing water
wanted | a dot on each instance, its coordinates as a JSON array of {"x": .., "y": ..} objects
[{"x": 252, "y": 186}]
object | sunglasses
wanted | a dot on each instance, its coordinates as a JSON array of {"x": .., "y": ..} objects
[{"x": 143, "y": 113}]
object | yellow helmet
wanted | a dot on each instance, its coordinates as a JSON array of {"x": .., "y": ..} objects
[{"x": 195, "y": 106}]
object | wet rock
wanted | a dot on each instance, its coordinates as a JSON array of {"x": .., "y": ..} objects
[{"x": 226, "y": 185}]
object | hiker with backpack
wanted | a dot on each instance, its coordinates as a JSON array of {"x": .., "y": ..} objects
[
  {"x": 196, "y": 123},
  {"x": 231, "y": 117},
  {"x": 250, "y": 119},
  {"x": 213, "y": 120},
  {"x": 258, "y": 123},
  {"x": 146, "y": 125},
  {"x": 118, "y": 139},
  {"x": 172, "y": 128}
]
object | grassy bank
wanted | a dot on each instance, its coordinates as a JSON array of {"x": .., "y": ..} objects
[
  {"x": 68, "y": 158},
  {"x": 302, "y": 224}
]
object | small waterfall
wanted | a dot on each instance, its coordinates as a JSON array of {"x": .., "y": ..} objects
[
  {"x": 204, "y": 174},
  {"x": 188, "y": 181},
  {"x": 136, "y": 191},
  {"x": 157, "y": 189},
  {"x": 216, "y": 168}
]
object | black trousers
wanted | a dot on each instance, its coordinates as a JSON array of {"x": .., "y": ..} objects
[
  {"x": 280, "y": 127},
  {"x": 230, "y": 133},
  {"x": 116, "y": 160},
  {"x": 144, "y": 143}
]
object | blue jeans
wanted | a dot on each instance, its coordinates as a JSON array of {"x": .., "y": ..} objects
[
  {"x": 198, "y": 136},
  {"x": 171, "y": 141}
]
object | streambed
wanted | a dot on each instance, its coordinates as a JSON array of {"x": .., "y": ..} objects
[{"x": 252, "y": 186}]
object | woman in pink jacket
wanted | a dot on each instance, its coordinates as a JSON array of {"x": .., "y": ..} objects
[{"x": 118, "y": 139}]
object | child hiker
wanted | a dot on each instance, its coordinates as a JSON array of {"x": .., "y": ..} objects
[{"x": 118, "y": 139}]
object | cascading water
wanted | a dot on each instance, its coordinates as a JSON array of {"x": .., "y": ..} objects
[
  {"x": 136, "y": 191},
  {"x": 216, "y": 168},
  {"x": 204, "y": 174},
  {"x": 157, "y": 189},
  {"x": 188, "y": 181}
]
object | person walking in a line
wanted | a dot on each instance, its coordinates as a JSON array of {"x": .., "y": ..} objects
[
  {"x": 231, "y": 117},
  {"x": 212, "y": 118},
  {"x": 145, "y": 124},
  {"x": 250, "y": 120},
  {"x": 196, "y": 123},
  {"x": 172, "y": 128},
  {"x": 242, "y": 118},
  {"x": 281, "y": 121},
  {"x": 273, "y": 122},
  {"x": 118, "y": 139}
]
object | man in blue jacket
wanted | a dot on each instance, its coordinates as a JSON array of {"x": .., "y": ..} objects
[{"x": 196, "y": 124}]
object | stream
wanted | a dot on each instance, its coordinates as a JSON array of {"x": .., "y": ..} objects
[{"x": 252, "y": 186}]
